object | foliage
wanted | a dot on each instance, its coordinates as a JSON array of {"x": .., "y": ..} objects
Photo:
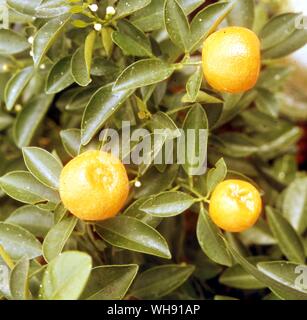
[{"x": 67, "y": 72}]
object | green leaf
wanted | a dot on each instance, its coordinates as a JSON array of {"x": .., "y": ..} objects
[
  {"x": 44, "y": 166},
  {"x": 46, "y": 36},
  {"x": 195, "y": 127},
  {"x": 33, "y": 219},
  {"x": 194, "y": 83},
  {"x": 216, "y": 175},
  {"x": 277, "y": 30},
  {"x": 29, "y": 119},
  {"x": 151, "y": 17},
  {"x": 16, "y": 85},
  {"x": 283, "y": 289},
  {"x": 129, "y": 233},
  {"x": 287, "y": 274},
  {"x": 161, "y": 121},
  {"x": 82, "y": 60},
  {"x": 57, "y": 237},
  {"x": 23, "y": 187},
  {"x": 211, "y": 240},
  {"x": 71, "y": 139},
  {"x": 12, "y": 42},
  {"x": 19, "y": 280},
  {"x": 143, "y": 73},
  {"x": 242, "y": 14},
  {"x": 167, "y": 204},
  {"x": 288, "y": 240},
  {"x": 159, "y": 281},
  {"x": 59, "y": 76},
  {"x": 237, "y": 277},
  {"x": 294, "y": 205},
  {"x": 176, "y": 24},
  {"x": 202, "y": 97},
  {"x": 66, "y": 276},
  {"x": 24, "y": 6},
  {"x": 132, "y": 40},
  {"x": 109, "y": 282},
  {"x": 206, "y": 21},
  {"x": 106, "y": 39},
  {"x": 52, "y": 8},
  {"x": 295, "y": 41},
  {"x": 126, "y": 7},
  {"x": 11, "y": 238},
  {"x": 267, "y": 103},
  {"x": 100, "y": 108},
  {"x": 134, "y": 211}
]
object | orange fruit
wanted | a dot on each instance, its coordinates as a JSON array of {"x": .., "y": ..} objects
[
  {"x": 235, "y": 205},
  {"x": 231, "y": 59},
  {"x": 94, "y": 185}
]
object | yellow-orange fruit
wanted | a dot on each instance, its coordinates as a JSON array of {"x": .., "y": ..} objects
[
  {"x": 235, "y": 205},
  {"x": 94, "y": 185},
  {"x": 231, "y": 59}
]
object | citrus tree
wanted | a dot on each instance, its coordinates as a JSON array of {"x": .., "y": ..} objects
[{"x": 68, "y": 70}]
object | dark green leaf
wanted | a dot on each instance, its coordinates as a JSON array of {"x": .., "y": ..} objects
[
  {"x": 19, "y": 280},
  {"x": 12, "y": 42},
  {"x": 71, "y": 139},
  {"x": 126, "y": 7}
]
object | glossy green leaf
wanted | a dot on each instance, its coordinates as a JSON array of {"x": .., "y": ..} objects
[
  {"x": 288, "y": 240},
  {"x": 216, "y": 175},
  {"x": 195, "y": 127},
  {"x": 82, "y": 60},
  {"x": 16, "y": 85},
  {"x": 134, "y": 211},
  {"x": 101, "y": 106},
  {"x": 132, "y": 234},
  {"x": 201, "y": 97},
  {"x": 295, "y": 41},
  {"x": 71, "y": 139},
  {"x": 194, "y": 83},
  {"x": 59, "y": 76},
  {"x": 167, "y": 204},
  {"x": 132, "y": 40},
  {"x": 109, "y": 282},
  {"x": 176, "y": 24},
  {"x": 237, "y": 277},
  {"x": 19, "y": 280},
  {"x": 52, "y": 8},
  {"x": 66, "y": 276},
  {"x": 23, "y": 187},
  {"x": 294, "y": 205},
  {"x": 18, "y": 242},
  {"x": 43, "y": 165},
  {"x": 57, "y": 237},
  {"x": 277, "y": 30},
  {"x": 267, "y": 103},
  {"x": 46, "y": 36},
  {"x": 242, "y": 14},
  {"x": 211, "y": 240},
  {"x": 159, "y": 281},
  {"x": 12, "y": 42},
  {"x": 33, "y": 219},
  {"x": 288, "y": 274},
  {"x": 24, "y": 6},
  {"x": 29, "y": 119},
  {"x": 143, "y": 73},
  {"x": 126, "y": 7},
  {"x": 206, "y": 21}
]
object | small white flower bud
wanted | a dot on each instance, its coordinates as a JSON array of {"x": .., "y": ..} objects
[
  {"x": 97, "y": 26},
  {"x": 93, "y": 7},
  {"x": 30, "y": 40},
  {"x": 110, "y": 11},
  {"x": 137, "y": 184}
]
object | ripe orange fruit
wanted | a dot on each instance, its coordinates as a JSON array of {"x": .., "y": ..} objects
[
  {"x": 231, "y": 59},
  {"x": 94, "y": 185},
  {"x": 235, "y": 205}
]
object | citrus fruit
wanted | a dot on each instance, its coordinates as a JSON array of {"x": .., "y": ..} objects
[
  {"x": 231, "y": 59},
  {"x": 94, "y": 185},
  {"x": 235, "y": 205}
]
